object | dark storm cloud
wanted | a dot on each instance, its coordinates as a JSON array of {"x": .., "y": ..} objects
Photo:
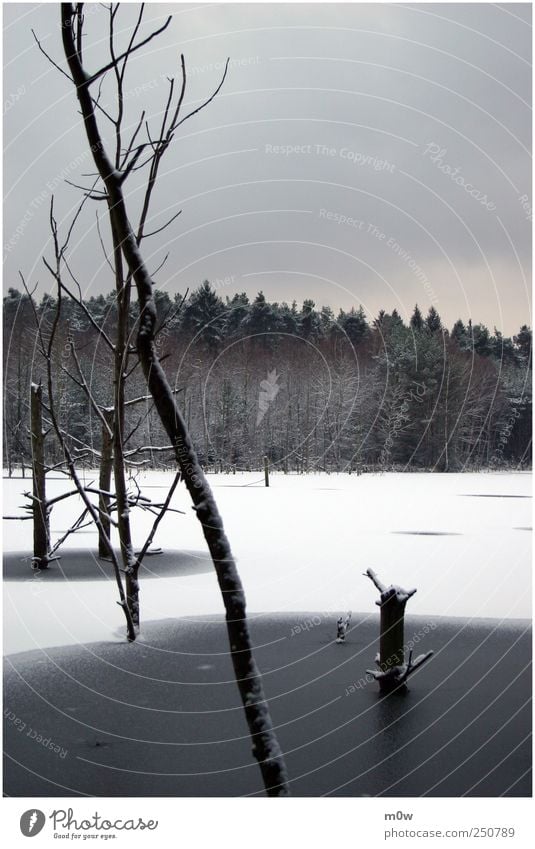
[{"x": 357, "y": 153}]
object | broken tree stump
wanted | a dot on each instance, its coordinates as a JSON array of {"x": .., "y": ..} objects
[
  {"x": 41, "y": 524},
  {"x": 393, "y": 670}
]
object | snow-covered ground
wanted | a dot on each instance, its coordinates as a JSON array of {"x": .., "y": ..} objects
[{"x": 302, "y": 545}]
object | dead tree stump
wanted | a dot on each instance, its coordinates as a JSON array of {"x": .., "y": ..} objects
[
  {"x": 41, "y": 524},
  {"x": 393, "y": 668}
]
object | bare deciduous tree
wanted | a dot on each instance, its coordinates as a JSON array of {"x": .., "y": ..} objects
[{"x": 113, "y": 172}]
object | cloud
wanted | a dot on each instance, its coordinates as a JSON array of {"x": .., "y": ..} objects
[{"x": 360, "y": 91}]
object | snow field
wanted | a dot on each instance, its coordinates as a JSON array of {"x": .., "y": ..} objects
[{"x": 301, "y": 545}]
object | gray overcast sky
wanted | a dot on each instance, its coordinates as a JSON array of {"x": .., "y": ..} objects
[{"x": 360, "y": 111}]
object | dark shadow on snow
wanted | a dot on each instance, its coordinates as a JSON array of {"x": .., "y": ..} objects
[
  {"x": 489, "y": 495},
  {"x": 429, "y": 533},
  {"x": 84, "y": 565}
]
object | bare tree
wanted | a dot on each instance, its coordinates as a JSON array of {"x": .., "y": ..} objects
[
  {"x": 41, "y": 524},
  {"x": 114, "y": 172}
]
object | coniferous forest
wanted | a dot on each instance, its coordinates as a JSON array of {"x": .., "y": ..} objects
[{"x": 309, "y": 389}]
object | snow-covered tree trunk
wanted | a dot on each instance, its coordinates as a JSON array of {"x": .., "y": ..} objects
[
  {"x": 119, "y": 471},
  {"x": 41, "y": 526},
  {"x": 265, "y": 744}
]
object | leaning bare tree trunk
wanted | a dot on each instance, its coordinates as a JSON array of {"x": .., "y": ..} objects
[
  {"x": 131, "y": 567},
  {"x": 393, "y": 670},
  {"x": 104, "y": 484},
  {"x": 266, "y": 748},
  {"x": 41, "y": 528}
]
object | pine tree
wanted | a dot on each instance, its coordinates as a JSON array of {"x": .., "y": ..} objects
[
  {"x": 309, "y": 321},
  {"x": 262, "y": 317},
  {"x": 354, "y": 325},
  {"x": 203, "y": 316},
  {"x": 287, "y": 318},
  {"x": 326, "y": 320},
  {"x": 458, "y": 334},
  {"x": 481, "y": 340},
  {"x": 236, "y": 312},
  {"x": 523, "y": 343},
  {"x": 432, "y": 322},
  {"x": 417, "y": 321}
]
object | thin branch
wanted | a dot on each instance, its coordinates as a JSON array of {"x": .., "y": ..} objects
[
  {"x": 87, "y": 390},
  {"x": 149, "y": 448},
  {"x": 55, "y": 64},
  {"x": 169, "y": 318},
  {"x": 73, "y": 223},
  {"x": 35, "y": 315},
  {"x": 82, "y": 306},
  {"x": 143, "y": 398},
  {"x": 205, "y": 102},
  {"x": 79, "y": 29},
  {"x": 102, "y": 243},
  {"x": 132, "y": 140},
  {"x": 161, "y": 514},
  {"x": 127, "y": 53},
  {"x": 90, "y": 193},
  {"x": 161, "y": 265},
  {"x": 138, "y": 425},
  {"x": 18, "y": 518},
  {"x": 132, "y": 164},
  {"x": 159, "y": 230}
]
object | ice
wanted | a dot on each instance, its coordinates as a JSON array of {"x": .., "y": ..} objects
[{"x": 302, "y": 544}]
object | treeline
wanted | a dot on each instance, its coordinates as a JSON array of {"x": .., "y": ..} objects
[{"x": 308, "y": 389}]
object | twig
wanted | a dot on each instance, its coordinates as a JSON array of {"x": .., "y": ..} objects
[{"x": 159, "y": 518}]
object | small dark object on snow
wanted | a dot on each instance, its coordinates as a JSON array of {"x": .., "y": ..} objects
[{"x": 341, "y": 628}]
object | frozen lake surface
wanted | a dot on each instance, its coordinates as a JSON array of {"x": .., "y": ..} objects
[{"x": 302, "y": 544}]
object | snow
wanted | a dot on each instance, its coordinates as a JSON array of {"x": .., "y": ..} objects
[{"x": 302, "y": 544}]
